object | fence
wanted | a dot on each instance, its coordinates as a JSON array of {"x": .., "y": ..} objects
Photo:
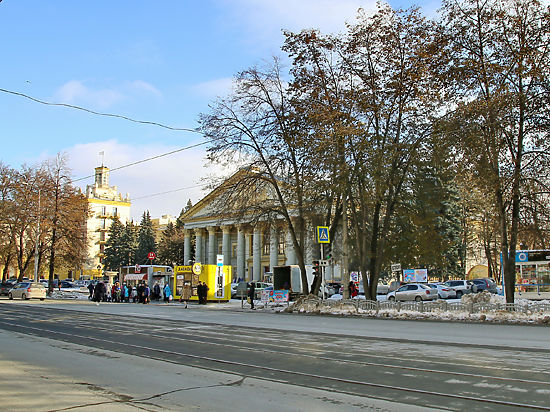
[{"x": 440, "y": 305}]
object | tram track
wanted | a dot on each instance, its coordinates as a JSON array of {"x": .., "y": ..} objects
[
  {"x": 287, "y": 372},
  {"x": 122, "y": 327},
  {"x": 246, "y": 369}
]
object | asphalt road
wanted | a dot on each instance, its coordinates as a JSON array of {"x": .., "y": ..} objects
[{"x": 164, "y": 357}]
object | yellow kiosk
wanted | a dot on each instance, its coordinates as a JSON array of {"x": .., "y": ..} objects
[{"x": 218, "y": 279}]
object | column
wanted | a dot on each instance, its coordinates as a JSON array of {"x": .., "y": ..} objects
[
  {"x": 226, "y": 245},
  {"x": 289, "y": 250},
  {"x": 240, "y": 252},
  {"x": 212, "y": 245},
  {"x": 273, "y": 247},
  {"x": 199, "y": 246},
  {"x": 186, "y": 246},
  {"x": 256, "y": 254}
]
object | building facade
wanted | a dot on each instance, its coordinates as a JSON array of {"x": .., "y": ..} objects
[
  {"x": 105, "y": 203},
  {"x": 252, "y": 248}
]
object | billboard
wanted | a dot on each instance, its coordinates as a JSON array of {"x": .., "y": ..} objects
[{"x": 415, "y": 275}]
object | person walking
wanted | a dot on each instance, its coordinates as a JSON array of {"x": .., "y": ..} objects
[
  {"x": 140, "y": 291},
  {"x": 146, "y": 294},
  {"x": 251, "y": 294},
  {"x": 205, "y": 290},
  {"x": 167, "y": 293},
  {"x": 186, "y": 293},
  {"x": 156, "y": 292},
  {"x": 199, "y": 292},
  {"x": 91, "y": 289}
]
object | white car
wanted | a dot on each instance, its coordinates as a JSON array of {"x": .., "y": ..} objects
[
  {"x": 443, "y": 291},
  {"x": 28, "y": 290},
  {"x": 413, "y": 291}
]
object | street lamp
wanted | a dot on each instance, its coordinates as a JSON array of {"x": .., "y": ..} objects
[{"x": 37, "y": 235}]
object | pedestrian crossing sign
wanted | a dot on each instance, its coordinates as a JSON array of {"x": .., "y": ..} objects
[{"x": 322, "y": 234}]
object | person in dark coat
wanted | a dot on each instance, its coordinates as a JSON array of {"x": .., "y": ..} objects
[
  {"x": 199, "y": 292},
  {"x": 205, "y": 290},
  {"x": 156, "y": 292},
  {"x": 99, "y": 292},
  {"x": 251, "y": 294},
  {"x": 140, "y": 290},
  {"x": 91, "y": 289}
]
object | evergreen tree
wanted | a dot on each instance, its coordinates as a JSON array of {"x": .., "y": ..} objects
[
  {"x": 128, "y": 244},
  {"x": 188, "y": 206},
  {"x": 114, "y": 257},
  {"x": 171, "y": 245},
  {"x": 146, "y": 239}
]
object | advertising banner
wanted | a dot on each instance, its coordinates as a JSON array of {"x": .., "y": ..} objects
[
  {"x": 275, "y": 296},
  {"x": 415, "y": 275}
]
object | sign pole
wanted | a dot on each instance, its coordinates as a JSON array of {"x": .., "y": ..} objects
[{"x": 322, "y": 272}]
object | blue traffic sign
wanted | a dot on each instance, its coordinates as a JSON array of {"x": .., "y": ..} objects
[{"x": 323, "y": 234}]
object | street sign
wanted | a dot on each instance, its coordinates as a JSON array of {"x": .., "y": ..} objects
[
  {"x": 219, "y": 260},
  {"x": 137, "y": 268},
  {"x": 323, "y": 234},
  {"x": 151, "y": 255},
  {"x": 396, "y": 267}
]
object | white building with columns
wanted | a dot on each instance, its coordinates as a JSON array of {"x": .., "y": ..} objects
[{"x": 252, "y": 249}]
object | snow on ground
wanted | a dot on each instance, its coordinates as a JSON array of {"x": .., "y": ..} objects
[{"x": 530, "y": 314}]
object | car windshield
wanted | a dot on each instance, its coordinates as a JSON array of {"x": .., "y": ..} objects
[{"x": 432, "y": 286}]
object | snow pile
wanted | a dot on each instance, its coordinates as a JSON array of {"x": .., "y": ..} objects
[
  {"x": 69, "y": 294},
  {"x": 527, "y": 313}
]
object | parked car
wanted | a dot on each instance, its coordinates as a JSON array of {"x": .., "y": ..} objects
[
  {"x": 396, "y": 284},
  {"x": 28, "y": 290},
  {"x": 5, "y": 288},
  {"x": 381, "y": 289},
  {"x": 486, "y": 284},
  {"x": 462, "y": 287},
  {"x": 413, "y": 291},
  {"x": 443, "y": 291}
]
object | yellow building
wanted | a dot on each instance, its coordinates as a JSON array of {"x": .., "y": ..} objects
[{"x": 105, "y": 203}]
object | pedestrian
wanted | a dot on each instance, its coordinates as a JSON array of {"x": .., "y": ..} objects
[
  {"x": 99, "y": 291},
  {"x": 251, "y": 294},
  {"x": 205, "y": 290},
  {"x": 352, "y": 289},
  {"x": 199, "y": 292},
  {"x": 140, "y": 290},
  {"x": 130, "y": 292},
  {"x": 186, "y": 293},
  {"x": 91, "y": 289},
  {"x": 156, "y": 291},
  {"x": 125, "y": 293},
  {"x": 167, "y": 293},
  {"x": 146, "y": 294}
]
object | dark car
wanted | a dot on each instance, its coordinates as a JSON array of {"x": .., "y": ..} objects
[
  {"x": 5, "y": 287},
  {"x": 485, "y": 284}
]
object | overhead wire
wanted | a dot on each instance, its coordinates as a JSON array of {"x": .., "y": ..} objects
[
  {"x": 71, "y": 106},
  {"x": 119, "y": 116}
]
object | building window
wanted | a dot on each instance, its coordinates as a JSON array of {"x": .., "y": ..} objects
[
  {"x": 102, "y": 236},
  {"x": 103, "y": 224},
  {"x": 103, "y": 210},
  {"x": 102, "y": 248},
  {"x": 265, "y": 244},
  {"x": 281, "y": 246},
  {"x": 233, "y": 250},
  {"x": 114, "y": 211}
]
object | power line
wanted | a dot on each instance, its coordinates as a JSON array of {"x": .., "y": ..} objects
[
  {"x": 150, "y": 158},
  {"x": 119, "y": 116},
  {"x": 165, "y": 193}
]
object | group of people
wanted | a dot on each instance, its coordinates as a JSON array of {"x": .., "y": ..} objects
[
  {"x": 202, "y": 292},
  {"x": 102, "y": 292}
]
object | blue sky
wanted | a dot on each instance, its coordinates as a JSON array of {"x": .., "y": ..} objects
[{"x": 162, "y": 61}]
